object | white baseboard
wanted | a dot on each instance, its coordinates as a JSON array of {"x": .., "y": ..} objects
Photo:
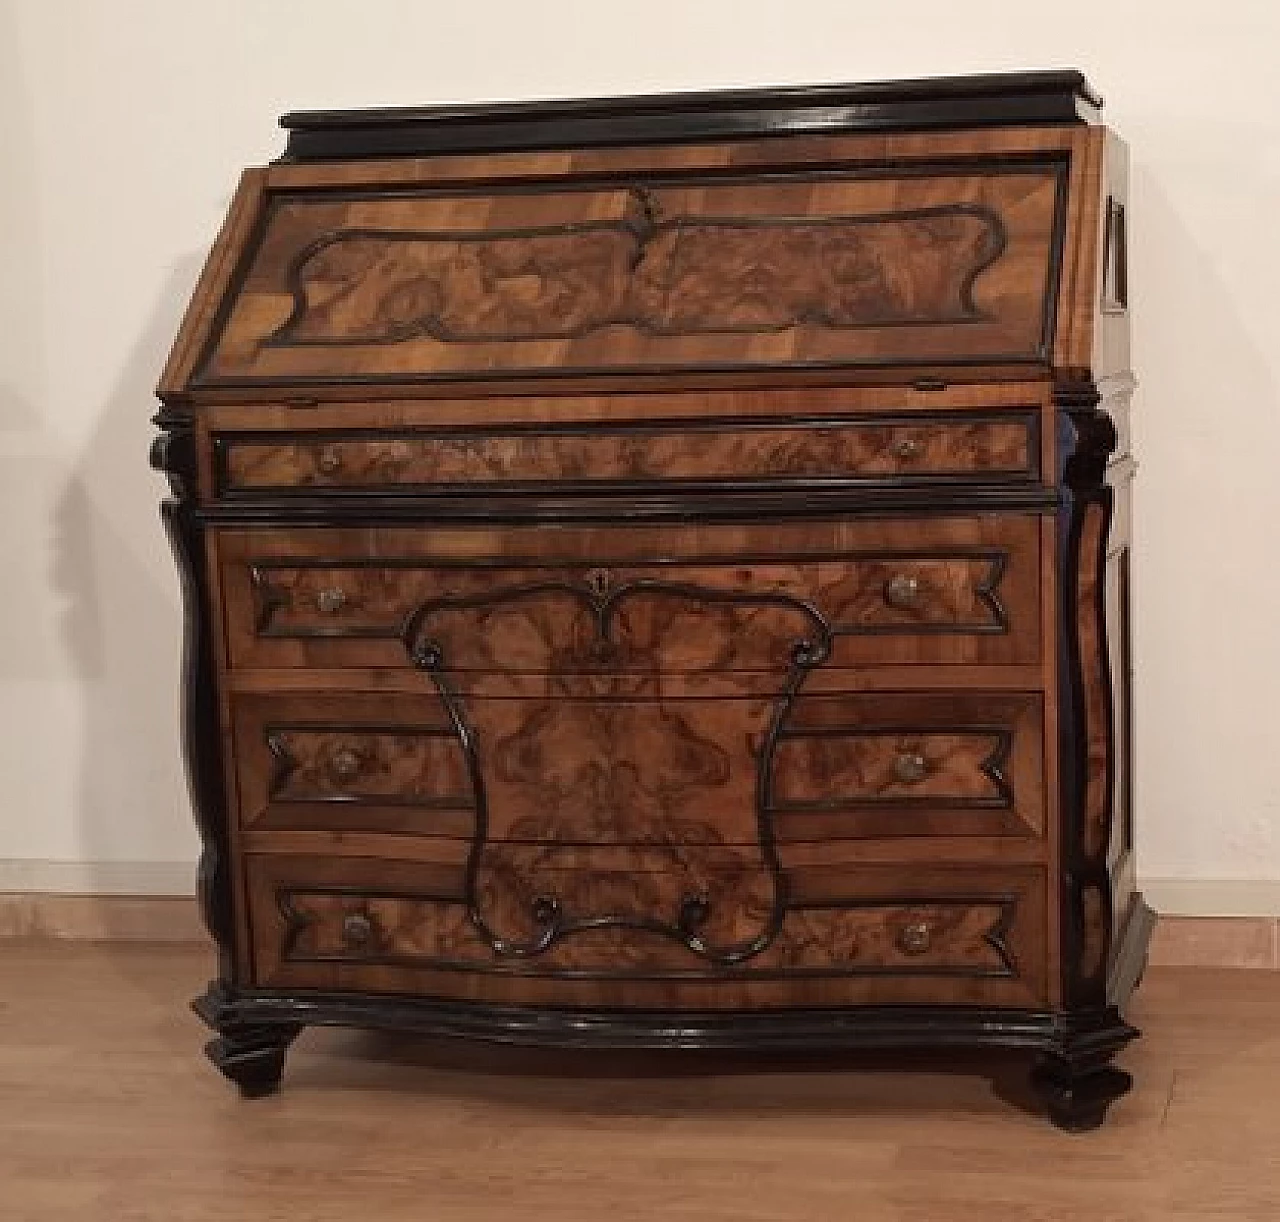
[
  {"x": 1213, "y": 897},
  {"x": 132, "y": 878},
  {"x": 1193, "y": 897}
]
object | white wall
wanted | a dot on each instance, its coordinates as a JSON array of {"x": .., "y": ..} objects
[{"x": 123, "y": 126}]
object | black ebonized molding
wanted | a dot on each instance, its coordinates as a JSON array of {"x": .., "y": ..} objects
[
  {"x": 1086, "y": 440},
  {"x": 249, "y": 1052},
  {"x": 1001, "y": 99},
  {"x": 728, "y": 503},
  {"x": 1093, "y": 1033},
  {"x": 174, "y": 453}
]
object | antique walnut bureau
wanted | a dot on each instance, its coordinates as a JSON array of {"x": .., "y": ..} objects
[{"x": 656, "y": 575}]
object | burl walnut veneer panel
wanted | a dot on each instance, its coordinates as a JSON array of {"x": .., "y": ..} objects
[
  {"x": 686, "y": 938},
  {"x": 645, "y": 601},
  {"x": 973, "y": 446},
  {"x": 810, "y": 270},
  {"x": 679, "y": 775}
]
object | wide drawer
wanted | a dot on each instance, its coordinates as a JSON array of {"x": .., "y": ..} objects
[
  {"x": 624, "y": 934},
  {"x": 680, "y": 774},
  {"x": 651, "y": 600},
  {"x": 631, "y": 454}
]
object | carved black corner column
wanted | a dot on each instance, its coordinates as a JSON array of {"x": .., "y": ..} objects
[
  {"x": 174, "y": 453},
  {"x": 251, "y": 1055},
  {"x": 1077, "y": 1079}
]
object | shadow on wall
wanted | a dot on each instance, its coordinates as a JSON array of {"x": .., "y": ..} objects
[
  {"x": 122, "y": 618},
  {"x": 1206, "y": 596}
]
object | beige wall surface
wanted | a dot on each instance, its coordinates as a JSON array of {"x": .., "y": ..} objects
[{"x": 123, "y": 126}]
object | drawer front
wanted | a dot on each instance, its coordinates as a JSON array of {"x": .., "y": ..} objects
[
  {"x": 725, "y": 272},
  {"x": 645, "y": 601},
  {"x": 895, "y": 764},
  {"x": 682, "y": 777},
  {"x": 633, "y": 454},
  {"x": 356, "y": 763},
  {"x": 619, "y": 935}
]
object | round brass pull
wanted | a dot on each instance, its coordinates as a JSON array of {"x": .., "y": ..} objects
[
  {"x": 914, "y": 938},
  {"x": 907, "y": 448},
  {"x": 329, "y": 461},
  {"x": 903, "y": 590},
  {"x": 910, "y": 767},
  {"x": 357, "y": 929},
  {"x": 345, "y": 764},
  {"x": 331, "y": 601}
]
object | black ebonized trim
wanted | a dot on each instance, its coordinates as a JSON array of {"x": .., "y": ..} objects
[
  {"x": 1086, "y": 441},
  {"x": 174, "y": 453},
  {"x": 1000, "y": 99},
  {"x": 1115, "y": 259},
  {"x": 251, "y": 1054},
  {"x": 727, "y": 504},
  {"x": 768, "y": 1031}
]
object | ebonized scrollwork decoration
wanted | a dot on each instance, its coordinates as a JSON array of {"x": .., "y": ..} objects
[{"x": 548, "y": 918}]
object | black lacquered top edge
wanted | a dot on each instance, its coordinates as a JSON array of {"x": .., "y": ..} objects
[{"x": 994, "y": 100}]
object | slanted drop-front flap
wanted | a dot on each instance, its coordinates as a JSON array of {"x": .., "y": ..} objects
[{"x": 943, "y": 264}]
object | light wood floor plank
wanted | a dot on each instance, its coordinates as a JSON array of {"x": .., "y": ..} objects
[{"x": 108, "y": 1112}]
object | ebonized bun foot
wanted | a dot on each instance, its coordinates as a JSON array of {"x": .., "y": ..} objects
[
  {"x": 253, "y": 1060},
  {"x": 250, "y": 1054},
  {"x": 1077, "y": 1093}
]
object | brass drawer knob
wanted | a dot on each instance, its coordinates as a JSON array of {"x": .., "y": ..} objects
[
  {"x": 357, "y": 929},
  {"x": 903, "y": 590},
  {"x": 907, "y": 448},
  {"x": 331, "y": 601},
  {"x": 914, "y": 938},
  {"x": 345, "y": 764},
  {"x": 329, "y": 461},
  {"x": 910, "y": 767}
]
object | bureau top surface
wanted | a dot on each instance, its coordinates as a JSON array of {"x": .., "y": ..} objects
[{"x": 997, "y": 99}]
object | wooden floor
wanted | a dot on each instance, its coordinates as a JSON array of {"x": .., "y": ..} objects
[{"x": 107, "y": 1111}]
